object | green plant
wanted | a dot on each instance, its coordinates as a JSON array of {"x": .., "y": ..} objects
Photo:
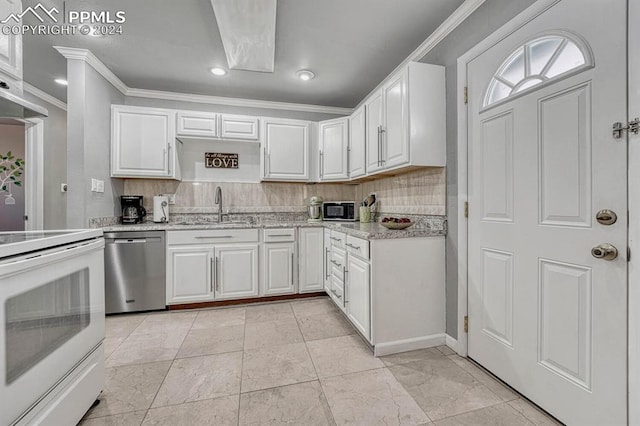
[{"x": 11, "y": 170}]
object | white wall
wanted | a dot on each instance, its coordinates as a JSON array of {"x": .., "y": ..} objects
[
  {"x": 12, "y": 215},
  {"x": 55, "y": 164},
  {"x": 89, "y": 99}
]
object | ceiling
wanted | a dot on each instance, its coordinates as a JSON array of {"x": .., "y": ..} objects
[{"x": 351, "y": 45}]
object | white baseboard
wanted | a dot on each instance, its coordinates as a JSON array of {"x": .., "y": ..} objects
[
  {"x": 397, "y": 346},
  {"x": 452, "y": 343}
]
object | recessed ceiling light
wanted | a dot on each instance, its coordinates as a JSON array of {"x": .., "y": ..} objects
[
  {"x": 61, "y": 81},
  {"x": 305, "y": 75},
  {"x": 218, "y": 71}
]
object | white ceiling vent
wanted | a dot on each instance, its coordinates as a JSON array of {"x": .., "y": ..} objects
[{"x": 248, "y": 31}]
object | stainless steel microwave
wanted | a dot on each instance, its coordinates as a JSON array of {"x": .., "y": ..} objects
[{"x": 340, "y": 210}]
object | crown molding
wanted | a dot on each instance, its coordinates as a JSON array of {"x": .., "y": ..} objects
[
  {"x": 43, "y": 95},
  {"x": 448, "y": 25},
  {"x": 96, "y": 64},
  {"x": 102, "y": 69},
  {"x": 250, "y": 103}
]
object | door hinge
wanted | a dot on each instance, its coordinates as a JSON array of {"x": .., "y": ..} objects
[
  {"x": 466, "y": 209},
  {"x": 633, "y": 127},
  {"x": 466, "y": 324},
  {"x": 466, "y": 95}
]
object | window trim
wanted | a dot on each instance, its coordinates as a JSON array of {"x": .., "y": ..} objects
[{"x": 581, "y": 43}]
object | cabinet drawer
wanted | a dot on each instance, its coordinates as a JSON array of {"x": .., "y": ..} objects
[
  {"x": 358, "y": 247},
  {"x": 337, "y": 288},
  {"x": 279, "y": 235},
  {"x": 338, "y": 239},
  {"x": 213, "y": 236}
]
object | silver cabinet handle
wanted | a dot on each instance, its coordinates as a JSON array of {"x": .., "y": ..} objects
[
  {"x": 202, "y": 237},
  {"x": 213, "y": 272},
  {"x": 382, "y": 150},
  {"x": 336, "y": 239},
  {"x": 292, "y": 268},
  {"x": 352, "y": 246},
  {"x": 336, "y": 263},
  {"x": 280, "y": 235},
  {"x": 344, "y": 275},
  {"x": 216, "y": 275},
  {"x": 348, "y": 161},
  {"x": 169, "y": 159},
  {"x": 327, "y": 272},
  {"x": 321, "y": 164},
  {"x": 264, "y": 157},
  {"x": 379, "y": 143}
]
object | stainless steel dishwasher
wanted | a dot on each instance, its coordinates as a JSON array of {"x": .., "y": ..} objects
[{"x": 135, "y": 273}]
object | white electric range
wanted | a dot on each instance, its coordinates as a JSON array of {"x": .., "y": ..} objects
[{"x": 52, "y": 325}]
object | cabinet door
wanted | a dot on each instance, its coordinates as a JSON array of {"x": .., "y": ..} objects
[
  {"x": 311, "y": 260},
  {"x": 11, "y": 44},
  {"x": 197, "y": 124},
  {"x": 357, "y": 144},
  {"x": 373, "y": 109},
  {"x": 286, "y": 149},
  {"x": 277, "y": 272},
  {"x": 357, "y": 292},
  {"x": 334, "y": 147},
  {"x": 236, "y": 271},
  {"x": 239, "y": 127},
  {"x": 327, "y": 260},
  {"x": 189, "y": 277},
  {"x": 395, "y": 140},
  {"x": 142, "y": 142}
]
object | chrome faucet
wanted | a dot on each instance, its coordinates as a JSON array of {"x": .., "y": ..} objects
[{"x": 218, "y": 201}]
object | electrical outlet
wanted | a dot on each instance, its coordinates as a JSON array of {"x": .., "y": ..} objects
[
  {"x": 100, "y": 186},
  {"x": 94, "y": 185},
  {"x": 171, "y": 197}
]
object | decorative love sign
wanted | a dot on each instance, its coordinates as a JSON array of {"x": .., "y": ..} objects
[{"x": 219, "y": 160}]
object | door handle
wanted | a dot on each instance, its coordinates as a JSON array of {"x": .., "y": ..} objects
[
  {"x": 216, "y": 274},
  {"x": 321, "y": 165},
  {"x": 604, "y": 251},
  {"x": 213, "y": 273},
  {"x": 326, "y": 265},
  {"x": 379, "y": 143},
  {"x": 382, "y": 132},
  {"x": 291, "y": 268}
]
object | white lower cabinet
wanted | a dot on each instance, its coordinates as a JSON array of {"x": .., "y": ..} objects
[
  {"x": 189, "y": 276},
  {"x": 358, "y": 294},
  {"x": 200, "y": 268},
  {"x": 277, "y": 268},
  {"x": 310, "y": 260},
  {"x": 327, "y": 260},
  {"x": 236, "y": 271}
]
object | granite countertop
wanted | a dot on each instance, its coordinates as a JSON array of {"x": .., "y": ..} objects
[{"x": 368, "y": 231}]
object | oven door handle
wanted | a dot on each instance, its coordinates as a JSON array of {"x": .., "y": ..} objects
[{"x": 56, "y": 254}]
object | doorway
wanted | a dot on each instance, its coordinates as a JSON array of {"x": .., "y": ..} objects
[{"x": 546, "y": 292}]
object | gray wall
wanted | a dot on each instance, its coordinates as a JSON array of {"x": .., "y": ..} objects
[
  {"x": 484, "y": 21},
  {"x": 55, "y": 164},
  {"x": 89, "y": 99}
]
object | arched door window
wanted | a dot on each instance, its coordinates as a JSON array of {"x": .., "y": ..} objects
[{"x": 540, "y": 60}]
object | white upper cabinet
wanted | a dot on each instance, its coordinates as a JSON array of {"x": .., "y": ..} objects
[
  {"x": 357, "y": 144},
  {"x": 406, "y": 120},
  {"x": 285, "y": 150},
  {"x": 395, "y": 135},
  {"x": 11, "y": 44},
  {"x": 239, "y": 127},
  {"x": 143, "y": 143},
  {"x": 197, "y": 124},
  {"x": 334, "y": 149},
  {"x": 374, "y": 125}
]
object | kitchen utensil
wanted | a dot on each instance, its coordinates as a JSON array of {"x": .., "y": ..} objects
[
  {"x": 315, "y": 209},
  {"x": 396, "y": 225},
  {"x": 160, "y": 209}
]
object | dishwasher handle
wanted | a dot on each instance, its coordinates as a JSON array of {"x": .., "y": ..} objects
[{"x": 134, "y": 240}]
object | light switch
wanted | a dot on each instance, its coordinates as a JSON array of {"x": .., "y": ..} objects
[
  {"x": 94, "y": 185},
  {"x": 100, "y": 186}
]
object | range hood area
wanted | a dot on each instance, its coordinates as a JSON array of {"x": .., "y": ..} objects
[{"x": 15, "y": 107}]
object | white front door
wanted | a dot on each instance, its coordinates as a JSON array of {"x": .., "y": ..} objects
[{"x": 546, "y": 315}]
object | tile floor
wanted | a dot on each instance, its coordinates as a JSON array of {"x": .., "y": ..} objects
[{"x": 295, "y": 363}]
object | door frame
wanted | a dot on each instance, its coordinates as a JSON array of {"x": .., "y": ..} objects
[
  {"x": 34, "y": 174},
  {"x": 507, "y": 29}
]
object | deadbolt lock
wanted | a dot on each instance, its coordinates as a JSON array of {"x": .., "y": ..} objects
[
  {"x": 606, "y": 217},
  {"x": 604, "y": 251}
]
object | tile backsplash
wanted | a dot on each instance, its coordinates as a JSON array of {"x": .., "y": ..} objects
[{"x": 417, "y": 192}]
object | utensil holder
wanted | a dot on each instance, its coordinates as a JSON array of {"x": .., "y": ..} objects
[{"x": 365, "y": 214}]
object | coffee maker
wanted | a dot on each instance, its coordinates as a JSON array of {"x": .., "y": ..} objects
[{"x": 132, "y": 209}]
